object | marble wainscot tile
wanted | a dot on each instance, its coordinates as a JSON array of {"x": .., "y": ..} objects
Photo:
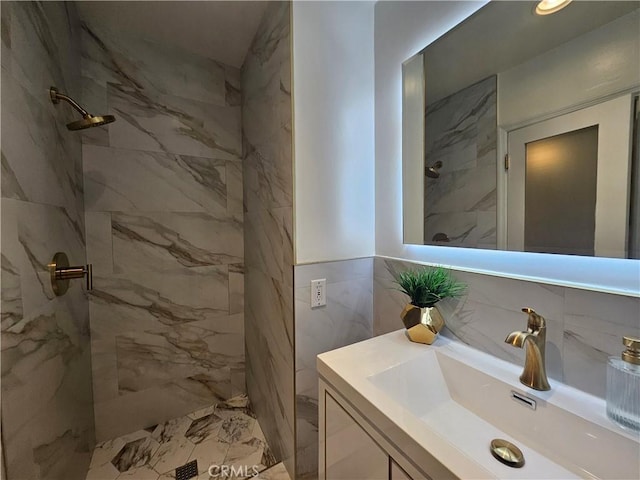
[
  {"x": 347, "y": 318},
  {"x": 388, "y": 301},
  {"x": 171, "y": 241},
  {"x": 178, "y": 183},
  {"x": 173, "y": 124},
  {"x": 487, "y": 314},
  {"x": 595, "y": 323},
  {"x": 143, "y": 302},
  {"x": 157, "y": 69}
]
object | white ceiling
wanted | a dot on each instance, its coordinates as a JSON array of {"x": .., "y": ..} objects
[{"x": 221, "y": 30}]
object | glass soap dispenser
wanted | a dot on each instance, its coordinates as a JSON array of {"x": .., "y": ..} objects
[{"x": 623, "y": 385}]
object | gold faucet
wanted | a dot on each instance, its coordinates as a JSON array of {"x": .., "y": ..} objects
[{"x": 534, "y": 374}]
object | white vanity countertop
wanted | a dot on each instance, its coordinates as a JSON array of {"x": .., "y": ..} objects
[{"x": 452, "y": 434}]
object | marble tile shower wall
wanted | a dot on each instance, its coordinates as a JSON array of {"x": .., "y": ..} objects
[
  {"x": 268, "y": 197},
  {"x": 47, "y": 414},
  {"x": 164, "y": 222},
  {"x": 584, "y": 327},
  {"x": 461, "y": 203},
  {"x": 347, "y": 318}
]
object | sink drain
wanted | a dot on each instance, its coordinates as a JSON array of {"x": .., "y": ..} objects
[{"x": 507, "y": 453}]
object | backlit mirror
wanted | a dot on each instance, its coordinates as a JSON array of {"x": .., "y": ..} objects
[{"x": 520, "y": 132}]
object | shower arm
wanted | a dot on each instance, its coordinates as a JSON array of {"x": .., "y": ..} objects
[{"x": 56, "y": 96}]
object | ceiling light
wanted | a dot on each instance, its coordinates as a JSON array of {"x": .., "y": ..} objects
[{"x": 547, "y": 7}]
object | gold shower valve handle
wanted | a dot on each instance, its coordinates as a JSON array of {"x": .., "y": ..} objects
[{"x": 61, "y": 273}]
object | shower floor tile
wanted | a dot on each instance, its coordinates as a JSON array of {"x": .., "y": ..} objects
[{"x": 226, "y": 435}]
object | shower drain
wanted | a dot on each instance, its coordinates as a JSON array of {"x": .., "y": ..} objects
[{"x": 187, "y": 471}]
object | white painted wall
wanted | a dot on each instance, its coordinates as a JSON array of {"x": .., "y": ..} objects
[
  {"x": 333, "y": 74},
  {"x": 603, "y": 62},
  {"x": 401, "y": 30}
]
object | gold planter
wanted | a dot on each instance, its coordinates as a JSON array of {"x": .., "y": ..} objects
[{"x": 422, "y": 323}]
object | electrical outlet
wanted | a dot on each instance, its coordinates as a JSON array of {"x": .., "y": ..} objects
[{"x": 318, "y": 292}]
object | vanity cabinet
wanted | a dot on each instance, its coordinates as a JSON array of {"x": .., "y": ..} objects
[
  {"x": 351, "y": 448},
  {"x": 350, "y": 452}
]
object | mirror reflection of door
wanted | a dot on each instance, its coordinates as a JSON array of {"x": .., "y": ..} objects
[{"x": 568, "y": 182}]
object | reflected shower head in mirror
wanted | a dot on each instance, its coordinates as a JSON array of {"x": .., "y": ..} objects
[
  {"x": 433, "y": 170},
  {"x": 87, "y": 120}
]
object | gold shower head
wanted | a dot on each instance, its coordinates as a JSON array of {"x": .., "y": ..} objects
[{"x": 87, "y": 120}]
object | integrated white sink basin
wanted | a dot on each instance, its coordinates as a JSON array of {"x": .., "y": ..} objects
[{"x": 452, "y": 400}]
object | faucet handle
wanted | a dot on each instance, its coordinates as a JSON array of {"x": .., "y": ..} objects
[{"x": 535, "y": 322}]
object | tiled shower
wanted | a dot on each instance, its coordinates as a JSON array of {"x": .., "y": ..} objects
[{"x": 163, "y": 203}]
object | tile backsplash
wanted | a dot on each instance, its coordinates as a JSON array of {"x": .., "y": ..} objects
[
  {"x": 583, "y": 327},
  {"x": 347, "y": 318}
]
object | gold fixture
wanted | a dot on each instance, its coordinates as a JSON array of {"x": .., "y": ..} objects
[
  {"x": 422, "y": 323},
  {"x": 507, "y": 453},
  {"x": 534, "y": 374},
  {"x": 632, "y": 353},
  {"x": 547, "y": 7},
  {"x": 61, "y": 273},
  {"x": 88, "y": 120}
]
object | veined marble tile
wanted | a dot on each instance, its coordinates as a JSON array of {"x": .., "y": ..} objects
[
  {"x": 150, "y": 67},
  {"x": 234, "y": 187},
  {"x": 11, "y": 306},
  {"x": 51, "y": 56},
  {"x": 99, "y": 241},
  {"x": 232, "y": 86},
  {"x": 39, "y": 157},
  {"x": 135, "y": 454},
  {"x": 171, "y": 241},
  {"x": 209, "y": 452},
  {"x": 204, "y": 428},
  {"x": 42, "y": 231},
  {"x": 143, "y": 302},
  {"x": 451, "y": 122},
  {"x": 462, "y": 134},
  {"x": 171, "y": 124},
  {"x": 462, "y": 191},
  {"x": 137, "y": 410},
  {"x": 347, "y": 318},
  {"x": 236, "y": 288},
  {"x": 595, "y": 323},
  {"x": 171, "y": 454},
  {"x": 172, "y": 429},
  {"x": 172, "y": 183},
  {"x": 94, "y": 99},
  {"x": 105, "y": 471},
  {"x": 142, "y": 473},
  {"x": 146, "y": 360},
  {"x": 268, "y": 194},
  {"x": 269, "y": 242}
]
